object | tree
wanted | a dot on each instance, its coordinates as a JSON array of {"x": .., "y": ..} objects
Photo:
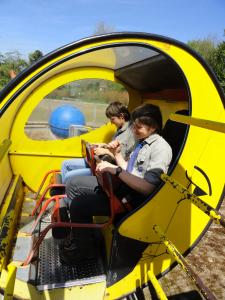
[
  {"x": 102, "y": 28},
  {"x": 34, "y": 56},
  {"x": 219, "y": 62},
  {"x": 10, "y": 64},
  {"x": 206, "y": 48},
  {"x": 214, "y": 54}
]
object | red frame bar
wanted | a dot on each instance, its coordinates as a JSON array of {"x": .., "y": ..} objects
[
  {"x": 43, "y": 181},
  {"x": 42, "y": 198},
  {"x": 45, "y": 206}
]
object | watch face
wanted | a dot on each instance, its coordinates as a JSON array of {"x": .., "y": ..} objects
[{"x": 118, "y": 171}]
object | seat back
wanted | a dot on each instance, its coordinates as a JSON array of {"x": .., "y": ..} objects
[
  {"x": 174, "y": 133},
  {"x": 88, "y": 154}
]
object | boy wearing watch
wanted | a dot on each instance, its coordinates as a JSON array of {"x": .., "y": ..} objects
[{"x": 139, "y": 176}]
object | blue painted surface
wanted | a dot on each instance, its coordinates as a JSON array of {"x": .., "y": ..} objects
[{"x": 64, "y": 116}]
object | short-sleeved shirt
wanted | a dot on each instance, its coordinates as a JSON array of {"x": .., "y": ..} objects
[
  {"x": 127, "y": 139},
  {"x": 153, "y": 159}
]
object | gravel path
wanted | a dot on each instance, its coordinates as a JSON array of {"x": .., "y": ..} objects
[{"x": 207, "y": 260}]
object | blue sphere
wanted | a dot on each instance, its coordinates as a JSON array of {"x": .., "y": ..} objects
[{"x": 64, "y": 116}]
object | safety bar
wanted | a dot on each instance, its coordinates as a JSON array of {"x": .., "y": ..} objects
[
  {"x": 43, "y": 181},
  {"x": 60, "y": 224},
  {"x": 207, "y": 124},
  {"x": 107, "y": 186},
  {"x": 203, "y": 206},
  {"x": 207, "y": 294},
  {"x": 42, "y": 198},
  {"x": 43, "y": 210}
]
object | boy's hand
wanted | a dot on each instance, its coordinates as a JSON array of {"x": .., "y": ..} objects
[
  {"x": 105, "y": 166},
  {"x": 100, "y": 151},
  {"x": 114, "y": 147}
]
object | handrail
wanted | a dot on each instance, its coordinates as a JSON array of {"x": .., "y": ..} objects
[{"x": 207, "y": 124}]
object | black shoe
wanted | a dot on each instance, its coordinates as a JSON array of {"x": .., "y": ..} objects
[{"x": 76, "y": 254}]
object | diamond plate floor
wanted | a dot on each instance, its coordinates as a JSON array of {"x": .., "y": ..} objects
[{"x": 52, "y": 274}]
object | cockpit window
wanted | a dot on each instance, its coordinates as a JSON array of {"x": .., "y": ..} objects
[{"x": 74, "y": 109}]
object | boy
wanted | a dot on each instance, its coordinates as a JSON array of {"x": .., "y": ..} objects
[
  {"x": 139, "y": 176},
  {"x": 120, "y": 117}
]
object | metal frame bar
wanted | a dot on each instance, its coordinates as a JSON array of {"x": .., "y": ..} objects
[
  {"x": 207, "y": 294},
  {"x": 43, "y": 209},
  {"x": 107, "y": 186},
  {"x": 158, "y": 289},
  {"x": 207, "y": 124},
  {"x": 43, "y": 181},
  {"x": 10, "y": 282},
  {"x": 42, "y": 198},
  {"x": 203, "y": 206},
  {"x": 10, "y": 220}
]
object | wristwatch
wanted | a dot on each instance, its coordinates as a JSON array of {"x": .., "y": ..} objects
[{"x": 118, "y": 171}]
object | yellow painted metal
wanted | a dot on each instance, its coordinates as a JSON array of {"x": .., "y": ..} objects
[
  {"x": 207, "y": 209},
  {"x": 8, "y": 227},
  {"x": 159, "y": 291},
  {"x": 4, "y": 148},
  {"x": 8, "y": 292},
  {"x": 27, "y": 291},
  {"x": 24, "y": 149},
  {"x": 5, "y": 170},
  {"x": 5, "y": 177},
  {"x": 207, "y": 124}
]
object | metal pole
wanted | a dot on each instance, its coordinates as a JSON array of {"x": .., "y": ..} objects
[
  {"x": 207, "y": 294},
  {"x": 159, "y": 291},
  {"x": 206, "y": 208}
]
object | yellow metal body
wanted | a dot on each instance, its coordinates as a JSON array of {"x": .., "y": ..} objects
[
  {"x": 9, "y": 218},
  {"x": 182, "y": 221},
  {"x": 26, "y": 291},
  {"x": 207, "y": 124},
  {"x": 8, "y": 294},
  {"x": 211, "y": 212},
  {"x": 159, "y": 291}
]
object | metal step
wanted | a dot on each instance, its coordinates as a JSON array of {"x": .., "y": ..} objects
[{"x": 52, "y": 274}]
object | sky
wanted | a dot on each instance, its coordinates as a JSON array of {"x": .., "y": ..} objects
[{"x": 28, "y": 25}]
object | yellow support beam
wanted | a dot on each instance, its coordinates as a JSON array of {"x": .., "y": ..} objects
[
  {"x": 10, "y": 283},
  {"x": 207, "y": 124},
  {"x": 184, "y": 265},
  {"x": 206, "y": 208},
  {"x": 159, "y": 291},
  {"x": 8, "y": 227}
]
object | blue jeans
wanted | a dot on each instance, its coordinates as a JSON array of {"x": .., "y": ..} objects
[{"x": 74, "y": 167}]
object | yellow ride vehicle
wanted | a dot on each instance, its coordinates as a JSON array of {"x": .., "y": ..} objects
[{"x": 143, "y": 243}]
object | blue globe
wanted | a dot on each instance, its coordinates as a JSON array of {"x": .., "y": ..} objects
[{"x": 64, "y": 116}]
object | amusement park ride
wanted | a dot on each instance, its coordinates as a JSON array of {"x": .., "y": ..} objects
[{"x": 142, "y": 244}]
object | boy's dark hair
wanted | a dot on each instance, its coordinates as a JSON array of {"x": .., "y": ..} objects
[
  {"x": 148, "y": 114},
  {"x": 115, "y": 109}
]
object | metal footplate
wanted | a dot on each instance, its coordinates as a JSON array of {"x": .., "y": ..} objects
[{"x": 52, "y": 274}]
